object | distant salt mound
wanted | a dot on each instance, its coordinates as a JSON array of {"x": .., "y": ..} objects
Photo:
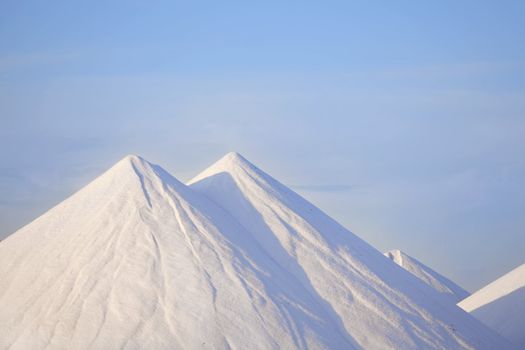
[
  {"x": 138, "y": 260},
  {"x": 501, "y": 305},
  {"x": 437, "y": 281}
]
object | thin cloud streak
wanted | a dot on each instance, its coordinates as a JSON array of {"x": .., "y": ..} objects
[
  {"x": 16, "y": 62},
  {"x": 325, "y": 188}
]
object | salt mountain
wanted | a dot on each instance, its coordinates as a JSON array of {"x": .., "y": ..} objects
[
  {"x": 501, "y": 305},
  {"x": 437, "y": 281},
  {"x": 235, "y": 260}
]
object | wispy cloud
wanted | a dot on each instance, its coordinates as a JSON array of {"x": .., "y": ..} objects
[
  {"x": 451, "y": 70},
  {"x": 324, "y": 188},
  {"x": 19, "y": 61}
]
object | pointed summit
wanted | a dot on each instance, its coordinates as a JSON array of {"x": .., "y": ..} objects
[
  {"x": 131, "y": 168},
  {"x": 230, "y": 162},
  {"x": 233, "y": 156},
  {"x": 139, "y": 171},
  {"x": 133, "y": 164},
  {"x": 130, "y": 160},
  {"x": 438, "y": 282},
  {"x": 233, "y": 160}
]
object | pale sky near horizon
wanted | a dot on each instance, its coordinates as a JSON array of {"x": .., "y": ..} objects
[{"x": 403, "y": 120}]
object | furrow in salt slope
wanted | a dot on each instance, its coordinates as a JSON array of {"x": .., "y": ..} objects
[
  {"x": 438, "y": 282},
  {"x": 138, "y": 260},
  {"x": 381, "y": 305}
]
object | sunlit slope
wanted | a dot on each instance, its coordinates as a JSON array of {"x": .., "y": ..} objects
[{"x": 378, "y": 303}]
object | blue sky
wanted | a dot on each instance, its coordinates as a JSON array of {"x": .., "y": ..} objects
[{"x": 404, "y": 120}]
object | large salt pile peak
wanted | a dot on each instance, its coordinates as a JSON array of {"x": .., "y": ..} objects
[
  {"x": 378, "y": 303},
  {"x": 137, "y": 260}
]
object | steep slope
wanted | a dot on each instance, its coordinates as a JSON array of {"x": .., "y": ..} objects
[
  {"x": 381, "y": 305},
  {"x": 438, "y": 282},
  {"x": 501, "y": 305},
  {"x": 136, "y": 260}
]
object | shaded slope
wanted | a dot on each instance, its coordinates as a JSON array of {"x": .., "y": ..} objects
[
  {"x": 381, "y": 305},
  {"x": 437, "y": 281},
  {"x": 501, "y": 305}
]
